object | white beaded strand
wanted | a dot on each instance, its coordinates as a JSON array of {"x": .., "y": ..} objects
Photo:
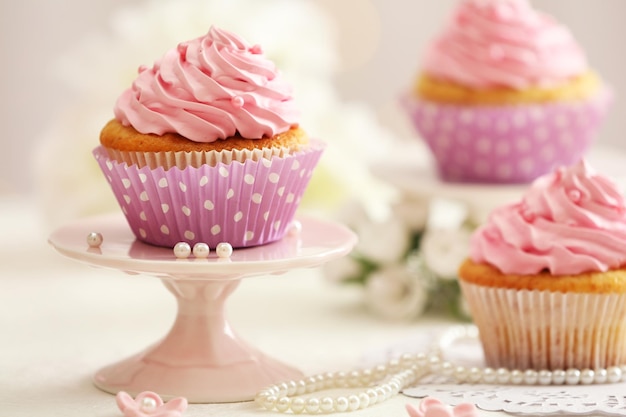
[{"x": 377, "y": 384}]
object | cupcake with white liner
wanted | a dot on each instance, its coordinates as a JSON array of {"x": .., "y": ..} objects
[
  {"x": 205, "y": 147},
  {"x": 505, "y": 94},
  {"x": 546, "y": 278}
]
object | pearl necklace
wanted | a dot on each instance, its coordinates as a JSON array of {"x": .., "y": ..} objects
[{"x": 375, "y": 385}]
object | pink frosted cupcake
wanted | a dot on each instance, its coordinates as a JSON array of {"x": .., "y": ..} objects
[
  {"x": 546, "y": 278},
  {"x": 205, "y": 147},
  {"x": 505, "y": 95}
]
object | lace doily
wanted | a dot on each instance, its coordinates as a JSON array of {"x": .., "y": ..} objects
[
  {"x": 602, "y": 399},
  {"x": 607, "y": 399}
]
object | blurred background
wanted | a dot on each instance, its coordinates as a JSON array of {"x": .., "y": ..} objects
[
  {"x": 378, "y": 45},
  {"x": 350, "y": 61}
]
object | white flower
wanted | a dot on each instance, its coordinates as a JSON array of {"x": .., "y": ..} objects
[
  {"x": 446, "y": 214},
  {"x": 443, "y": 250},
  {"x": 384, "y": 242},
  {"x": 395, "y": 293},
  {"x": 353, "y": 214},
  {"x": 342, "y": 269},
  {"x": 412, "y": 211},
  {"x": 295, "y": 34}
]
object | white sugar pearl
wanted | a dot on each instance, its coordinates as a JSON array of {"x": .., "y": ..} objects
[
  {"x": 371, "y": 393},
  {"x": 94, "y": 240},
  {"x": 283, "y": 404},
  {"x": 224, "y": 250},
  {"x": 460, "y": 373},
  {"x": 301, "y": 387},
  {"x": 148, "y": 404},
  {"x": 503, "y": 376},
  {"x": 530, "y": 377},
  {"x": 614, "y": 374},
  {"x": 544, "y": 377},
  {"x": 587, "y": 376},
  {"x": 489, "y": 375},
  {"x": 295, "y": 228},
  {"x": 558, "y": 377},
  {"x": 292, "y": 387},
  {"x": 201, "y": 250},
  {"x": 364, "y": 400},
  {"x": 327, "y": 404},
  {"x": 297, "y": 405},
  {"x": 283, "y": 388},
  {"x": 572, "y": 376},
  {"x": 601, "y": 376},
  {"x": 182, "y": 250},
  {"x": 475, "y": 374},
  {"x": 517, "y": 377},
  {"x": 354, "y": 403},
  {"x": 341, "y": 404},
  {"x": 270, "y": 402},
  {"x": 312, "y": 405},
  {"x": 421, "y": 359},
  {"x": 435, "y": 364}
]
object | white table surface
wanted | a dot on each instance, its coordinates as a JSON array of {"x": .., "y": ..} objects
[{"x": 61, "y": 320}]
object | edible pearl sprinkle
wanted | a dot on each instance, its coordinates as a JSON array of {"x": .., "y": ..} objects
[
  {"x": 224, "y": 250},
  {"x": 182, "y": 250},
  {"x": 386, "y": 380},
  {"x": 148, "y": 404},
  {"x": 201, "y": 250},
  {"x": 94, "y": 239},
  {"x": 295, "y": 228}
]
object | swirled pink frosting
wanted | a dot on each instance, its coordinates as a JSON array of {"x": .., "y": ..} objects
[
  {"x": 504, "y": 43},
  {"x": 569, "y": 222},
  {"x": 207, "y": 89}
]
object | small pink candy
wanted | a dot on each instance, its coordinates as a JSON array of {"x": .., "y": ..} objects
[
  {"x": 574, "y": 195},
  {"x": 256, "y": 49},
  {"x": 149, "y": 404},
  {"x": 432, "y": 407},
  {"x": 237, "y": 101},
  {"x": 528, "y": 215},
  {"x": 182, "y": 49}
]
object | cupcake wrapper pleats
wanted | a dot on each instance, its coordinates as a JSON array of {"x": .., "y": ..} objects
[
  {"x": 521, "y": 329},
  {"x": 244, "y": 204},
  {"x": 506, "y": 144}
]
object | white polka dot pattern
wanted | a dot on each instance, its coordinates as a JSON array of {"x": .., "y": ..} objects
[
  {"x": 245, "y": 204},
  {"x": 514, "y": 144}
]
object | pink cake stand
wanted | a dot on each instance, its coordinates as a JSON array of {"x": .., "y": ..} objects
[{"x": 201, "y": 358}]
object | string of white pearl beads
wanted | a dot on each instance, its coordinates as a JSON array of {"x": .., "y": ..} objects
[
  {"x": 572, "y": 376},
  {"x": 503, "y": 376},
  {"x": 381, "y": 382},
  {"x": 369, "y": 387}
]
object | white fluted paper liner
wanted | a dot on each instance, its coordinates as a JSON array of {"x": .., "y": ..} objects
[
  {"x": 243, "y": 203},
  {"x": 182, "y": 160},
  {"x": 521, "y": 329}
]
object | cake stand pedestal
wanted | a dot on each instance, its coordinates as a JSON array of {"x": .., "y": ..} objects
[{"x": 201, "y": 358}]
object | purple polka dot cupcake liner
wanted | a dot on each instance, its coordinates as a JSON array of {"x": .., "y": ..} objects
[
  {"x": 507, "y": 144},
  {"x": 243, "y": 203}
]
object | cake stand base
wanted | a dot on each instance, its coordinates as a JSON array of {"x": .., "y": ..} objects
[{"x": 201, "y": 358}]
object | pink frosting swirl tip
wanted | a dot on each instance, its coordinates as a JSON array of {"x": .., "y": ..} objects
[
  {"x": 504, "y": 43},
  {"x": 207, "y": 89},
  {"x": 569, "y": 222}
]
